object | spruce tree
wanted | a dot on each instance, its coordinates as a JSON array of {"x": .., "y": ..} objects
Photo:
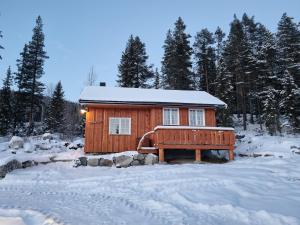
[
  {"x": 6, "y": 104},
  {"x": 205, "y": 60},
  {"x": 290, "y": 100},
  {"x": 55, "y": 111},
  {"x": 176, "y": 63},
  {"x": 1, "y": 47},
  {"x": 33, "y": 87},
  {"x": 157, "y": 80},
  {"x": 270, "y": 110},
  {"x": 288, "y": 45},
  {"x": 21, "y": 99},
  {"x": 133, "y": 68}
]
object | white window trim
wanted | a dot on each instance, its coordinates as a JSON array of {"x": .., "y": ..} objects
[
  {"x": 178, "y": 117},
  {"x": 203, "y": 116},
  {"x": 111, "y": 118}
]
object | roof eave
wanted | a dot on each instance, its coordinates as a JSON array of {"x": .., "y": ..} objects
[{"x": 89, "y": 102}]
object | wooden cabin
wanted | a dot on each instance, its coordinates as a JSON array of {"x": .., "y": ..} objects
[{"x": 153, "y": 120}]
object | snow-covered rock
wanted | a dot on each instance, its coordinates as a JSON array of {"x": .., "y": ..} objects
[
  {"x": 83, "y": 161},
  {"x": 47, "y": 136},
  {"x": 16, "y": 142},
  {"x": 122, "y": 161},
  {"x": 105, "y": 162},
  {"x": 151, "y": 159},
  {"x": 93, "y": 162}
]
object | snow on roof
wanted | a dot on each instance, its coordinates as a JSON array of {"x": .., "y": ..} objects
[{"x": 98, "y": 94}]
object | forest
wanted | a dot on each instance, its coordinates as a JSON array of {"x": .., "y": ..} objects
[{"x": 256, "y": 72}]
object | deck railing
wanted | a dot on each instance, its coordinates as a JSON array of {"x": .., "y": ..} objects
[
  {"x": 186, "y": 137},
  {"x": 190, "y": 137}
]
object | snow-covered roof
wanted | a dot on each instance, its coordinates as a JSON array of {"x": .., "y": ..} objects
[{"x": 111, "y": 95}]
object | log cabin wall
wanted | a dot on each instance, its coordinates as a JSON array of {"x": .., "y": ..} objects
[{"x": 143, "y": 119}]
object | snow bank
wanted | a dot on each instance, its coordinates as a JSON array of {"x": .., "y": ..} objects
[{"x": 24, "y": 217}]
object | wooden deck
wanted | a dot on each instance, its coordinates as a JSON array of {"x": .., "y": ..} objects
[{"x": 185, "y": 137}]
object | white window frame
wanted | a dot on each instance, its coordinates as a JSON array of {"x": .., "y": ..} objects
[
  {"x": 203, "y": 117},
  {"x": 178, "y": 117},
  {"x": 120, "y": 125}
]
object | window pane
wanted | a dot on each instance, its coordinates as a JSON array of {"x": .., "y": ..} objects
[
  {"x": 174, "y": 117},
  {"x": 196, "y": 117},
  {"x": 167, "y": 117},
  {"x": 192, "y": 118},
  {"x": 125, "y": 126},
  {"x": 170, "y": 116},
  {"x": 199, "y": 117},
  {"x": 114, "y": 126}
]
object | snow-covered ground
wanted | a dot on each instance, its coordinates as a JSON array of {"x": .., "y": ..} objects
[{"x": 262, "y": 190}]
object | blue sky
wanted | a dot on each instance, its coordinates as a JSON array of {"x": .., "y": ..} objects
[{"x": 80, "y": 34}]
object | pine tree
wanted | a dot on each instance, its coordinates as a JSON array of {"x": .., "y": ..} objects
[
  {"x": 219, "y": 40},
  {"x": 20, "y": 97},
  {"x": 133, "y": 68},
  {"x": 6, "y": 104},
  {"x": 32, "y": 84},
  {"x": 225, "y": 93},
  {"x": 205, "y": 60},
  {"x": 55, "y": 112},
  {"x": 176, "y": 63},
  {"x": 268, "y": 83},
  {"x": 157, "y": 82},
  {"x": 237, "y": 59}
]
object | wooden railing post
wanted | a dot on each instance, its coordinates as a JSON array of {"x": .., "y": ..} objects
[
  {"x": 198, "y": 155},
  {"x": 161, "y": 155},
  {"x": 231, "y": 154}
]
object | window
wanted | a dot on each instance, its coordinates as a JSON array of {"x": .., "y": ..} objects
[
  {"x": 120, "y": 125},
  {"x": 196, "y": 117},
  {"x": 171, "y": 116}
]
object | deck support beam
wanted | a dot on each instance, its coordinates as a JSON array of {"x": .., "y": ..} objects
[
  {"x": 161, "y": 155},
  {"x": 198, "y": 155},
  {"x": 230, "y": 154}
]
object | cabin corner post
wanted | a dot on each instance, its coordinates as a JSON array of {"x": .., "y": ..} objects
[
  {"x": 198, "y": 155},
  {"x": 230, "y": 153},
  {"x": 161, "y": 155}
]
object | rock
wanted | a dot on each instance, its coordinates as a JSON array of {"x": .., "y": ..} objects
[
  {"x": 268, "y": 155},
  {"x": 28, "y": 147},
  {"x": 44, "y": 146},
  {"x": 12, "y": 165},
  {"x": 136, "y": 163},
  {"x": 151, "y": 159},
  {"x": 83, "y": 161},
  {"x": 139, "y": 157},
  {"x": 16, "y": 142},
  {"x": 243, "y": 155},
  {"x": 105, "y": 162},
  {"x": 27, "y": 163},
  {"x": 47, "y": 136},
  {"x": 2, "y": 171},
  {"x": 77, "y": 163},
  {"x": 93, "y": 162},
  {"x": 256, "y": 155},
  {"x": 239, "y": 137},
  {"x": 122, "y": 161}
]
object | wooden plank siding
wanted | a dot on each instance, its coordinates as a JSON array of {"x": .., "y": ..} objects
[{"x": 143, "y": 119}]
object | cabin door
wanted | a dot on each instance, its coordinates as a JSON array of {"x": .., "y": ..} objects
[{"x": 93, "y": 133}]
